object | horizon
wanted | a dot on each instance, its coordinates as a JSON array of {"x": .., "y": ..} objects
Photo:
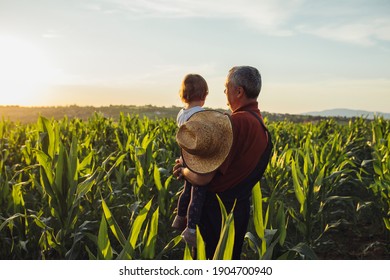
[
  {"x": 312, "y": 56},
  {"x": 329, "y": 110}
]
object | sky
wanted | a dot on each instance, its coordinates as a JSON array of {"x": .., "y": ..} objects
[{"x": 313, "y": 55}]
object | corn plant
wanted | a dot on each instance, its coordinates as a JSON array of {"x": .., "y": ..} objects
[
  {"x": 381, "y": 167},
  {"x": 135, "y": 246}
]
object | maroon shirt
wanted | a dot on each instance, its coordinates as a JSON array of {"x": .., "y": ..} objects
[{"x": 249, "y": 143}]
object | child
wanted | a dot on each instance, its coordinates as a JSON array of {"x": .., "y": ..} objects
[{"x": 193, "y": 93}]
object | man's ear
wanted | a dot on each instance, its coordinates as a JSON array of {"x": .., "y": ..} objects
[{"x": 240, "y": 91}]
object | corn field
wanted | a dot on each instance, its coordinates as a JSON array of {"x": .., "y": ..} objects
[{"x": 103, "y": 189}]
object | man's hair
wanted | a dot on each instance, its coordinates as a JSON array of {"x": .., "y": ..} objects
[
  {"x": 193, "y": 88},
  {"x": 248, "y": 78}
]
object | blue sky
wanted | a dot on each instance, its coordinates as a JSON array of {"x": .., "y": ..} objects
[{"x": 313, "y": 55}]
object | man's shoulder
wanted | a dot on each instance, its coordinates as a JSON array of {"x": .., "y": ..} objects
[
  {"x": 245, "y": 116},
  {"x": 245, "y": 122}
]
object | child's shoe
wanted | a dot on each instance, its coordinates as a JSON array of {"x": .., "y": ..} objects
[
  {"x": 179, "y": 222},
  {"x": 189, "y": 236}
]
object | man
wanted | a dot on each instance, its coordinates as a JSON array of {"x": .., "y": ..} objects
[{"x": 244, "y": 165}]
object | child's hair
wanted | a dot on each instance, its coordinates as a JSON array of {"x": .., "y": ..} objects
[{"x": 193, "y": 88}]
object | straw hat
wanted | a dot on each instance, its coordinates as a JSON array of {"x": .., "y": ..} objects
[{"x": 205, "y": 140}]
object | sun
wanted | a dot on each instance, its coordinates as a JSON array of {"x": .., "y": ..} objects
[{"x": 24, "y": 72}]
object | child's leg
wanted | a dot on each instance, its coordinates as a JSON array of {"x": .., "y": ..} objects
[
  {"x": 180, "y": 220},
  {"x": 198, "y": 195},
  {"x": 184, "y": 199}
]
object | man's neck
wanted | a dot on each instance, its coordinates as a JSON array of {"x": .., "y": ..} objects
[{"x": 245, "y": 103}]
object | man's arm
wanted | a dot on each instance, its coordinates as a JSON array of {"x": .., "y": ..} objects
[
  {"x": 181, "y": 172},
  {"x": 197, "y": 179}
]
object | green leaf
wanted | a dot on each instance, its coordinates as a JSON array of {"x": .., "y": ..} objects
[
  {"x": 60, "y": 169},
  {"x": 281, "y": 219},
  {"x": 319, "y": 179},
  {"x": 115, "y": 229},
  {"x": 48, "y": 136},
  {"x": 224, "y": 250},
  {"x": 85, "y": 186},
  {"x": 387, "y": 222},
  {"x": 17, "y": 198},
  {"x": 104, "y": 245},
  {"x": 223, "y": 211},
  {"x": 271, "y": 238},
  {"x": 171, "y": 244},
  {"x": 73, "y": 162},
  {"x": 252, "y": 241},
  {"x": 305, "y": 251},
  {"x": 138, "y": 222},
  {"x": 297, "y": 187},
  {"x": 149, "y": 249},
  {"x": 187, "y": 254},
  {"x": 91, "y": 256},
  {"x": 258, "y": 210},
  {"x": 45, "y": 162},
  {"x": 157, "y": 178},
  {"x": 200, "y": 246},
  {"x": 86, "y": 161},
  {"x": 128, "y": 249},
  {"x": 10, "y": 219}
]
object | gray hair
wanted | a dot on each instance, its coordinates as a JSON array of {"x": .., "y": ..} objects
[{"x": 248, "y": 78}]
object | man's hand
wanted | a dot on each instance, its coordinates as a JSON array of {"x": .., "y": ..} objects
[{"x": 177, "y": 169}]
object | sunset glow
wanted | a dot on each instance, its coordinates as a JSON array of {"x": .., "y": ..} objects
[{"x": 24, "y": 71}]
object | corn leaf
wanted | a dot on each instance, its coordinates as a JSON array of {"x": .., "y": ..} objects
[
  {"x": 258, "y": 210},
  {"x": 128, "y": 250},
  {"x": 149, "y": 249},
  {"x": 297, "y": 186},
  {"x": 200, "y": 246},
  {"x": 171, "y": 244},
  {"x": 45, "y": 161},
  {"x": 47, "y": 137},
  {"x": 104, "y": 245},
  {"x": 115, "y": 229},
  {"x": 187, "y": 254},
  {"x": 224, "y": 250}
]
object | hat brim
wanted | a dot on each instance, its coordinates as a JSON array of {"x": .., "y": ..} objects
[{"x": 203, "y": 164}]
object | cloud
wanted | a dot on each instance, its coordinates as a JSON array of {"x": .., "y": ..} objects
[
  {"x": 266, "y": 15},
  {"x": 366, "y": 33},
  {"x": 365, "y": 23},
  {"x": 52, "y": 34}
]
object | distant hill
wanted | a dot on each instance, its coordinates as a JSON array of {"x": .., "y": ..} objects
[
  {"x": 348, "y": 113},
  {"x": 31, "y": 114}
]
